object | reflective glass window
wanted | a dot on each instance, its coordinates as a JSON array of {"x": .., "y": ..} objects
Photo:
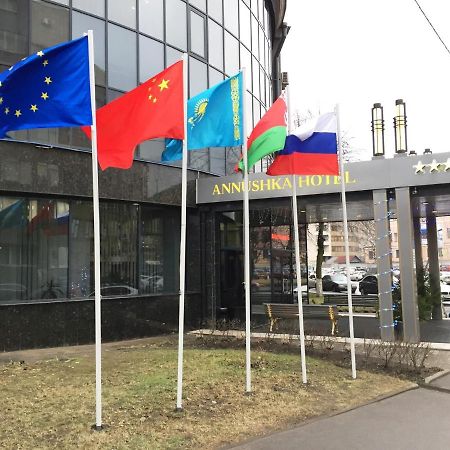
[
  {"x": 215, "y": 10},
  {"x": 197, "y": 33},
  {"x": 122, "y": 61},
  {"x": 172, "y": 56},
  {"x": 159, "y": 251},
  {"x": 14, "y": 32},
  {"x": 246, "y": 61},
  {"x": 214, "y": 77},
  {"x": 249, "y": 111},
  {"x": 151, "y": 58},
  {"x": 244, "y": 24},
  {"x": 199, "y": 159},
  {"x": 262, "y": 54},
  {"x": 255, "y": 73},
  {"x": 49, "y": 25},
  {"x": 231, "y": 54},
  {"x": 217, "y": 160},
  {"x": 176, "y": 28},
  {"x": 233, "y": 155},
  {"x": 118, "y": 222},
  {"x": 80, "y": 24},
  {"x": 151, "y": 17},
  {"x": 260, "y": 10},
  {"x": 231, "y": 16},
  {"x": 200, "y": 4},
  {"x": 255, "y": 45},
  {"x": 256, "y": 111},
  {"x": 197, "y": 77},
  {"x": 151, "y": 150},
  {"x": 123, "y": 12},
  {"x": 96, "y": 7},
  {"x": 215, "y": 44}
]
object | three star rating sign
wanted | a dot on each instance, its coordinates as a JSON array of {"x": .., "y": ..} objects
[
  {"x": 434, "y": 166},
  {"x": 156, "y": 89}
]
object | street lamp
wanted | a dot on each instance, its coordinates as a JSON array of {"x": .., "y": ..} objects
[
  {"x": 377, "y": 130},
  {"x": 400, "y": 127},
  {"x": 427, "y": 151}
]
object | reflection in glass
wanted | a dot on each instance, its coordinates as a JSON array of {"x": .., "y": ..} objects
[
  {"x": 215, "y": 44},
  {"x": 255, "y": 44},
  {"x": 215, "y": 10},
  {"x": 14, "y": 26},
  {"x": 96, "y": 7},
  {"x": 121, "y": 58},
  {"x": 245, "y": 35},
  {"x": 123, "y": 12},
  {"x": 151, "y": 18},
  {"x": 197, "y": 33},
  {"x": 151, "y": 58},
  {"x": 197, "y": 77},
  {"x": 80, "y": 24},
  {"x": 172, "y": 56},
  {"x": 214, "y": 77},
  {"x": 231, "y": 54},
  {"x": 176, "y": 23},
  {"x": 231, "y": 16},
  {"x": 246, "y": 61},
  {"x": 151, "y": 150},
  {"x": 255, "y": 74},
  {"x": 199, "y": 159},
  {"x": 217, "y": 160}
]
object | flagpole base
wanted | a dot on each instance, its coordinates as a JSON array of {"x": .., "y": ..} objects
[
  {"x": 96, "y": 427},
  {"x": 179, "y": 409},
  {"x": 248, "y": 393}
]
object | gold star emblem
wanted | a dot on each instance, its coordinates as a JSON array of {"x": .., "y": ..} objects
[
  {"x": 17, "y": 113},
  {"x": 446, "y": 165},
  {"x": 164, "y": 84},
  {"x": 154, "y": 100},
  {"x": 40, "y": 53},
  {"x": 44, "y": 95},
  {"x": 34, "y": 108},
  {"x": 48, "y": 80},
  {"x": 1, "y": 100},
  {"x": 45, "y": 63},
  {"x": 420, "y": 167},
  {"x": 6, "y": 111},
  {"x": 434, "y": 166},
  {"x": 150, "y": 96}
]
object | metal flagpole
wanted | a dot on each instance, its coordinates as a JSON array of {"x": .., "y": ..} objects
[
  {"x": 182, "y": 241},
  {"x": 347, "y": 252},
  {"x": 247, "y": 282},
  {"x": 97, "y": 282},
  {"x": 297, "y": 255}
]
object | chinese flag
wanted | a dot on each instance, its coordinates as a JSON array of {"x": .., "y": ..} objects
[{"x": 152, "y": 110}]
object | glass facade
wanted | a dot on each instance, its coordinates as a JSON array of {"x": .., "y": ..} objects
[
  {"x": 137, "y": 38},
  {"x": 46, "y": 249}
]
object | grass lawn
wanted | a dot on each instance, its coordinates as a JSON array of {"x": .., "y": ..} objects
[{"x": 50, "y": 404}]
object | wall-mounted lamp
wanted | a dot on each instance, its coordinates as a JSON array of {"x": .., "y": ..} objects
[
  {"x": 427, "y": 151},
  {"x": 377, "y": 130},
  {"x": 401, "y": 145},
  {"x": 412, "y": 152}
]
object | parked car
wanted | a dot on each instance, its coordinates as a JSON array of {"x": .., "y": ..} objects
[
  {"x": 445, "y": 277},
  {"x": 369, "y": 284},
  {"x": 116, "y": 290},
  {"x": 336, "y": 282}
]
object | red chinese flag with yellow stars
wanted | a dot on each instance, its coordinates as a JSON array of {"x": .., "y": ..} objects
[{"x": 152, "y": 110}]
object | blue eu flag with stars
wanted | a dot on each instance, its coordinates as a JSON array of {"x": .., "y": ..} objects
[{"x": 48, "y": 89}]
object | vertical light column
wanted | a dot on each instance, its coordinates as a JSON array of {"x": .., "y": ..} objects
[{"x": 433, "y": 264}]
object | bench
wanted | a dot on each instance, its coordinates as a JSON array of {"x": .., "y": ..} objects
[
  {"x": 358, "y": 301},
  {"x": 277, "y": 311}
]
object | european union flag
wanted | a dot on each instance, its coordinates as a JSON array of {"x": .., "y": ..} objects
[
  {"x": 215, "y": 119},
  {"x": 49, "y": 89}
]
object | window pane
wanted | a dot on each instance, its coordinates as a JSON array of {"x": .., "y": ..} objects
[
  {"x": 49, "y": 25},
  {"x": 246, "y": 61},
  {"x": 118, "y": 223},
  {"x": 172, "y": 56},
  {"x": 151, "y": 150},
  {"x": 158, "y": 265},
  {"x": 215, "y": 9},
  {"x": 214, "y": 77},
  {"x": 80, "y": 24},
  {"x": 122, "y": 11},
  {"x": 245, "y": 35},
  {"x": 200, "y": 4},
  {"x": 197, "y": 77},
  {"x": 255, "y": 45},
  {"x": 199, "y": 159},
  {"x": 215, "y": 44},
  {"x": 176, "y": 29},
  {"x": 97, "y": 7},
  {"x": 231, "y": 16},
  {"x": 217, "y": 160},
  {"x": 121, "y": 58},
  {"x": 231, "y": 54},
  {"x": 232, "y": 158},
  {"x": 14, "y": 32},
  {"x": 197, "y": 34},
  {"x": 151, "y": 58},
  {"x": 151, "y": 17},
  {"x": 256, "y": 112},
  {"x": 255, "y": 73}
]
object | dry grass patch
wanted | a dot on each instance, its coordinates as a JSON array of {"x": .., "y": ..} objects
[{"x": 50, "y": 404}]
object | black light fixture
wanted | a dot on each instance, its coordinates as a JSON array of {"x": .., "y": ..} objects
[
  {"x": 401, "y": 145},
  {"x": 427, "y": 151},
  {"x": 377, "y": 130}
]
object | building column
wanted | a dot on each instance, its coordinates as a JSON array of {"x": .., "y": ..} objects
[
  {"x": 433, "y": 265},
  {"x": 408, "y": 282},
  {"x": 384, "y": 264}
]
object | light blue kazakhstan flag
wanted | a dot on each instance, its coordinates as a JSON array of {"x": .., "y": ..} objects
[{"x": 215, "y": 119}]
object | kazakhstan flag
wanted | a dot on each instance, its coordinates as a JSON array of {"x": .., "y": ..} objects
[{"x": 215, "y": 119}]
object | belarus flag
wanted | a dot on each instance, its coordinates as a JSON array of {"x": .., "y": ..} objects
[{"x": 310, "y": 150}]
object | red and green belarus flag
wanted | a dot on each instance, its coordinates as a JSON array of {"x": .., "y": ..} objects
[{"x": 268, "y": 136}]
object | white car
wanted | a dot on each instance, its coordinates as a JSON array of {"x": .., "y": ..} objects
[{"x": 445, "y": 277}]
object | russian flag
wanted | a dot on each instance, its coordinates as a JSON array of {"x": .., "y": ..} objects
[{"x": 310, "y": 150}]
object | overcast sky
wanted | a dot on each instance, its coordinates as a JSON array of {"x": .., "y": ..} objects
[{"x": 358, "y": 52}]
